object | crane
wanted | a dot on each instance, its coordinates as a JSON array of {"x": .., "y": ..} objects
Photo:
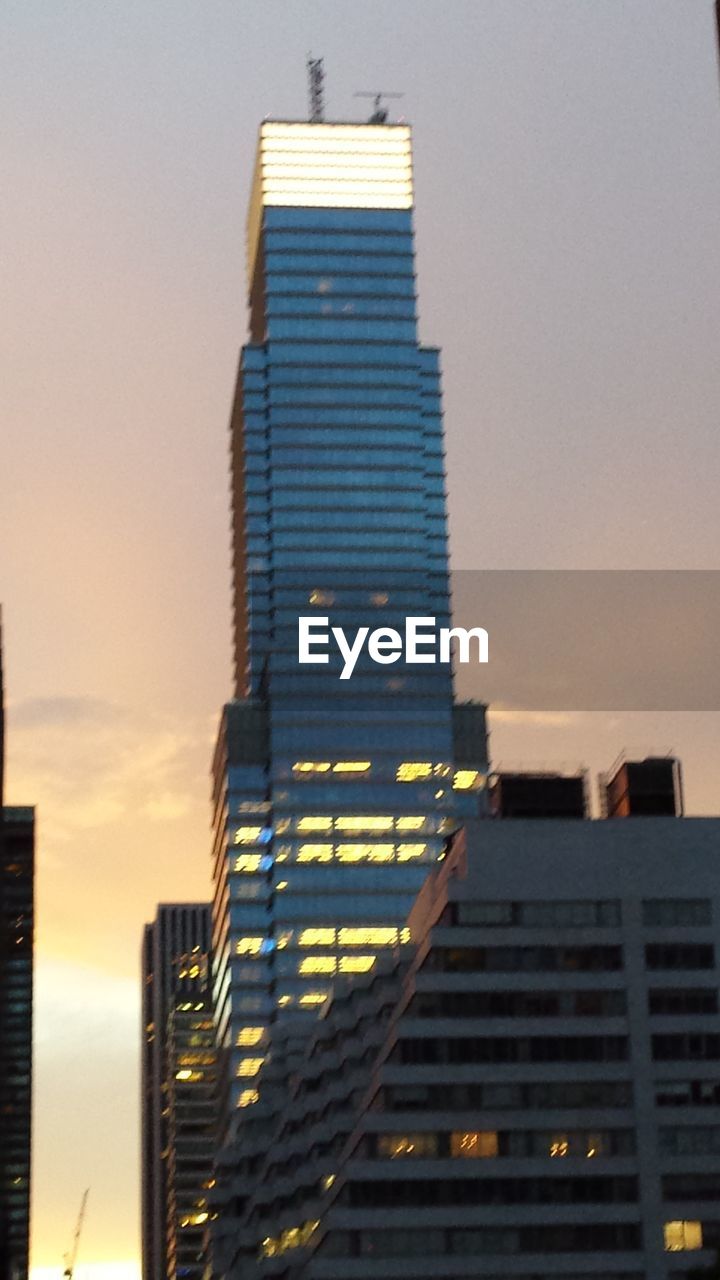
[{"x": 71, "y": 1257}]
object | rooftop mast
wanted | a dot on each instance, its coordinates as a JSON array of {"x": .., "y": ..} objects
[{"x": 316, "y": 79}]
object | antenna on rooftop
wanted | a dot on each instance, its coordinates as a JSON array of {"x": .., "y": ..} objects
[
  {"x": 380, "y": 113},
  {"x": 316, "y": 80}
]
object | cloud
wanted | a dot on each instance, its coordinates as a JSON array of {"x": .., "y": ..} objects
[{"x": 88, "y": 764}]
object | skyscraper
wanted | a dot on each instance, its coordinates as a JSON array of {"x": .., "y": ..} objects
[
  {"x": 178, "y": 1090},
  {"x": 17, "y": 859},
  {"x": 332, "y": 797}
]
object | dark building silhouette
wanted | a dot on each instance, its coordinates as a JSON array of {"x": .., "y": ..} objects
[
  {"x": 650, "y": 788},
  {"x": 178, "y": 1090},
  {"x": 17, "y": 834}
]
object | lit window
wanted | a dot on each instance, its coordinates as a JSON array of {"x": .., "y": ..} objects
[
  {"x": 185, "y": 1074},
  {"x": 317, "y": 938},
  {"x": 249, "y": 1066},
  {"x": 356, "y": 964},
  {"x": 410, "y": 824},
  {"x": 351, "y": 766},
  {"x": 410, "y": 772},
  {"x": 559, "y": 1147},
  {"x": 474, "y": 1145},
  {"x": 315, "y": 853},
  {"x": 248, "y": 1097},
  {"x": 367, "y": 823},
  {"x": 249, "y": 946},
  {"x": 406, "y": 852},
  {"x": 319, "y": 597},
  {"x": 683, "y": 1235},
  {"x": 314, "y": 824},
  {"x": 281, "y": 884},
  {"x": 249, "y": 1036},
  {"x": 312, "y": 766},
  {"x": 379, "y": 599},
  {"x": 468, "y": 780},
  {"x": 368, "y": 937},
  {"x": 247, "y": 862},
  {"x": 399, "y": 1145},
  {"x": 313, "y": 997},
  {"x": 247, "y": 835},
  {"x": 317, "y": 964}
]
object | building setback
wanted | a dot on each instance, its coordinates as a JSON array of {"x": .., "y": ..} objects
[
  {"x": 530, "y": 1089},
  {"x": 178, "y": 1101},
  {"x": 17, "y": 869}
]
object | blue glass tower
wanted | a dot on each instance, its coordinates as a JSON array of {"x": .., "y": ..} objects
[{"x": 332, "y": 797}]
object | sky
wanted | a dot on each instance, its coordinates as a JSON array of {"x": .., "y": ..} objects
[{"x": 568, "y": 207}]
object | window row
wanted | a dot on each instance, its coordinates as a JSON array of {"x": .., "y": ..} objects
[
  {"x": 508, "y": 1095},
  {"x": 687, "y": 1093},
  {"x": 590, "y": 1237},
  {"x": 518, "y": 1004},
  {"x": 549, "y": 914},
  {"x": 514, "y": 1049},
  {"x": 454, "y": 1192},
  {"x": 682, "y": 1000},
  {"x": 512, "y": 1143},
  {"x": 525, "y": 959}
]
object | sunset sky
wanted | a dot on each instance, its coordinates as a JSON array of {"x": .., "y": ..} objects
[{"x": 568, "y": 225}]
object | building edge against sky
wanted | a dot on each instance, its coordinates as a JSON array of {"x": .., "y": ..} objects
[
  {"x": 331, "y": 799},
  {"x": 17, "y": 898}
]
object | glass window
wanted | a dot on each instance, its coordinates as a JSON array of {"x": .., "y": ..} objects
[
  {"x": 683, "y": 1235},
  {"x": 677, "y": 911},
  {"x": 474, "y": 1145},
  {"x": 401, "y": 1145}
]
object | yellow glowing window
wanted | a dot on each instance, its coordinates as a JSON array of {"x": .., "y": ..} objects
[
  {"x": 281, "y": 884},
  {"x": 284, "y": 1000},
  {"x": 315, "y": 853},
  {"x": 406, "y": 852},
  {"x": 400, "y": 1145},
  {"x": 312, "y": 766},
  {"x": 559, "y": 1147},
  {"x": 249, "y": 1036},
  {"x": 367, "y": 823},
  {"x": 475, "y": 1144},
  {"x": 356, "y": 964},
  {"x": 246, "y": 835},
  {"x": 411, "y": 772},
  {"x": 283, "y": 940},
  {"x": 467, "y": 780},
  {"x": 248, "y": 1097},
  {"x": 318, "y": 964},
  {"x": 249, "y": 1066},
  {"x": 410, "y": 824},
  {"x": 248, "y": 862},
  {"x": 185, "y": 1074},
  {"x": 683, "y": 1235},
  {"x": 319, "y": 597},
  {"x": 317, "y": 938},
  {"x": 314, "y": 824},
  {"x": 367, "y": 937},
  {"x": 351, "y": 766},
  {"x": 327, "y": 1181},
  {"x": 313, "y": 997},
  {"x": 249, "y": 946}
]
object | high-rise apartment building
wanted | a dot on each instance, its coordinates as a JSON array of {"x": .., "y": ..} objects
[
  {"x": 333, "y": 797},
  {"x": 17, "y": 868},
  {"x": 179, "y": 1102},
  {"x": 530, "y": 1090}
]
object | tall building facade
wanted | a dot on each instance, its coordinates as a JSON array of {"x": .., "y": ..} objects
[
  {"x": 179, "y": 1101},
  {"x": 17, "y": 878},
  {"x": 332, "y": 797},
  {"x": 531, "y": 1090}
]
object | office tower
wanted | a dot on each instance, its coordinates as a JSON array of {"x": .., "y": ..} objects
[
  {"x": 178, "y": 1077},
  {"x": 531, "y": 1090},
  {"x": 332, "y": 797},
  {"x": 17, "y": 866}
]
